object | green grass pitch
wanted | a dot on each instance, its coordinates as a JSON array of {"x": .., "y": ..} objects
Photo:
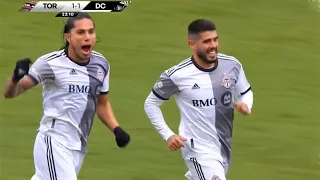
[{"x": 276, "y": 41}]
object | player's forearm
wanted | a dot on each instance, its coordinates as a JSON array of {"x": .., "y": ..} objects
[
  {"x": 247, "y": 98},
  {"x": 153, "y": 111},
  {"x": 11, "y": 89},
  {"x": 106, "y": 115}
]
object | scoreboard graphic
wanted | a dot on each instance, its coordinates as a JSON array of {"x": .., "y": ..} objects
[{"x": 72, "y": 8}]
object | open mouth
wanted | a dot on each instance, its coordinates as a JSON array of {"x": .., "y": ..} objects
[
  {"x": 212, "y": 52},
  {"x": 86, "y": 48}
]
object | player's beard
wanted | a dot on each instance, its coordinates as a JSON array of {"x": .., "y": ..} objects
[{"x": 204, "y": 58}]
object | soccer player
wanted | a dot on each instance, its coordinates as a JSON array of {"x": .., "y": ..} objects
[
  {"x": 204, "y": 86},
  {"x": 75, "y": 83}
]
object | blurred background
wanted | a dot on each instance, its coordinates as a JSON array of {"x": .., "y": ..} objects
[{"x": 276, "y": 41}]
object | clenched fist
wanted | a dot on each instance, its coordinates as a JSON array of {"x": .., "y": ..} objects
[
  {"x": 242, "y": 108},
  {"x": 21, "y": 69},
  {"x": 175, "y": 142}
]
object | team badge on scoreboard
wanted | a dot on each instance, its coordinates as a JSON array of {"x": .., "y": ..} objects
[{"x": 28, "y": 6}]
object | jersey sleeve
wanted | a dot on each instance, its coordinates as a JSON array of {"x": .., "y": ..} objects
[
  {"x": 164, "y": 88},
  {"x": 242, "y": 84},
  {"x": 41, "y": 71},
  {"x": 105, "y": 86}
]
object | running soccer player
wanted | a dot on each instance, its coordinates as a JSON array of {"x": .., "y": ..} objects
[
  {"x": 75, "y": 86},
  {"x": 204, "y": 86}
]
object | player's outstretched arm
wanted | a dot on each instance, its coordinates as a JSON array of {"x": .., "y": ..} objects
[
  {"x": 106, "y": 115},
  {"x": 18, "y": 82}
]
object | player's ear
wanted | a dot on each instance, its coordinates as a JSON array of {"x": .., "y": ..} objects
[
  {"x": 67, "y": 37},
  {"x": 191, "y": 44}
]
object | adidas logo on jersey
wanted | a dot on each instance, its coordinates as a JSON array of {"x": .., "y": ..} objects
[
  {"x": 195, "y": 86},
  {"x": 73, "y": 72}
]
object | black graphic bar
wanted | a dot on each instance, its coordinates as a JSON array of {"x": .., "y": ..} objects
[
  {"x": 113, "y": 6},
  {"x": 67, "y": 14}
]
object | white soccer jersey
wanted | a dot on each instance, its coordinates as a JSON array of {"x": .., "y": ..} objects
[
  {"x": 69, "y": 95},
  {"x": 205, "y": 99}
]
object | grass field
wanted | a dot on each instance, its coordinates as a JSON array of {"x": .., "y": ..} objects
[{"x": 277, "y": 42}]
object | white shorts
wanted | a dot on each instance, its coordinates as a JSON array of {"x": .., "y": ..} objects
[
  {"x": 53, "y": 161},
  {"x": 202, "y": 162},
  {"x": 204, "y": 169}
]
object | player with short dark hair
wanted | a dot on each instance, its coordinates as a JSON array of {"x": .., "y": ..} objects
[
  {"x": 75, "y": 86},
  {"x": 204, "y": 86}
]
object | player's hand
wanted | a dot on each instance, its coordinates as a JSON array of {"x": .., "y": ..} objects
[
  {"x": 175, "y": 142},
  {"x": 122, "y": 137},
  {"x": 21, "y": 69},
  {"x": 242, "y": 108}
]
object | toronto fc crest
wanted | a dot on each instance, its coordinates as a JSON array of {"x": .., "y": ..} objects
[
  {"x": 226, "y": 81},
  {"x": 100, "y": 74}
]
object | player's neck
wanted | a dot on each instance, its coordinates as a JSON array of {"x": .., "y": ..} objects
[{"x": 74, "y": 58}]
